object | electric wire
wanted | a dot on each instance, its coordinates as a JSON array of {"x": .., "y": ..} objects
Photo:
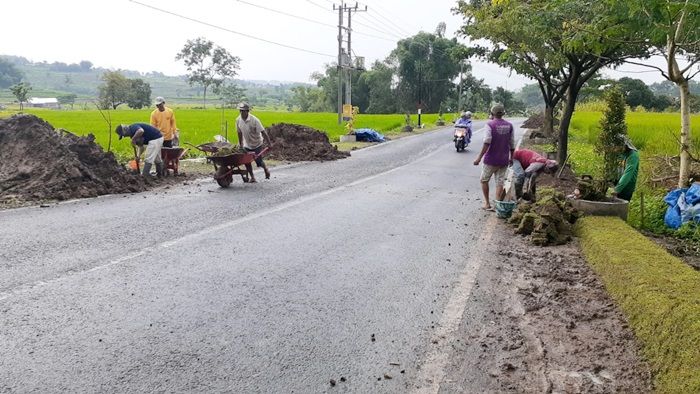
[
  {"x": 286, "y": 14},
  {"x": 230, "y": 31}
]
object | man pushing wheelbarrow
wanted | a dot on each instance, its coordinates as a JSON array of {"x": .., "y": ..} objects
[{"x": 251, "y": 137}]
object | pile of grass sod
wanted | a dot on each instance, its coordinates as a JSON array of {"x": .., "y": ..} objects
[{"x": 659, "y": 294}]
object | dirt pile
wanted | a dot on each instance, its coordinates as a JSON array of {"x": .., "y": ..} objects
[
  {"x": 39, "y": 163},
  {"x": 548, "y": 221},
  {"x": 294, "y": 142},
  {"x": 535, "y": 121}
]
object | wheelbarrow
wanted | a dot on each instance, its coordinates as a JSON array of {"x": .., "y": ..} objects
[
  {"x": 226, "y": 166},
  {"x": 171, "y": 158}
]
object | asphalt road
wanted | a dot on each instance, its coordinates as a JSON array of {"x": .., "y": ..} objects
[{"x": 349, "y": 270}]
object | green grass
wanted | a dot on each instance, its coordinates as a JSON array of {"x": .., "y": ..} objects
[
  {"x": 657, "y": 292},
  {"x": 198, "y": 126},
  {"x": 651, "y": 132}
]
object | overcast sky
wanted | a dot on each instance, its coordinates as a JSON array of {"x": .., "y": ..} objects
[{"x": 125, "y": 34}]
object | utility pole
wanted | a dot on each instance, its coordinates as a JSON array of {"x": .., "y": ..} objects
[
  {"x": 461, "y": 81},
  {"x": 340, "y": 62},
  {"x": 345, "y": 64},
  {"x": 420, "y": 99}
]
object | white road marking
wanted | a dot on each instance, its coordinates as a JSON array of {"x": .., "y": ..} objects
[
  {"x": 432, "y": 371},
  {"x": 209, "y": 230}
]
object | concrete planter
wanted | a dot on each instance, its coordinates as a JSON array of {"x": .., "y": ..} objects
[
  {"x": 617, "y": 207},
  {"x": 348, "y": 138}
]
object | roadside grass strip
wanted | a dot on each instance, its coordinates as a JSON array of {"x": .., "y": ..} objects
[{"x": 659, "y": 294}]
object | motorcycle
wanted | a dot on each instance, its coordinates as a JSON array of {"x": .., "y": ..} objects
[{"x": 462, "y": 138}]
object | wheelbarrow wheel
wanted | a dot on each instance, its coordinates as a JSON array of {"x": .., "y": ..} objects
[{"x": 222, "y": 179}]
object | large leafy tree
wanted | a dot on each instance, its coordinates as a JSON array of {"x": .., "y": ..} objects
[
  {"x": 208, "y": 64},
  {"x": 9, "y": 74},
  {"x": 114, "y": 90},
  {"x": 555, "y": 42},
  {"x": 21, "y": 92},
  {"x": 672, "y": 30},
  {"x": 636, "y": 93},
  {"x": 426, "y": 70},
  {"x": 139, "y": 95}
]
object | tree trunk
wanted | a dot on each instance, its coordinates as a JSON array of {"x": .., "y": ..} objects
[
  {"x": 205, "y": 96},
  {"x": 548, "y": 125},
  {"x": 569, "y": 106},
  {"x": 684, "y": 173}
]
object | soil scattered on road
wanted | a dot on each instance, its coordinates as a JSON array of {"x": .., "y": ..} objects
[
  {"x": 545, "y": 325},
  {"x": 40, "y": 163},
  {"x": 293, "y": 142}
]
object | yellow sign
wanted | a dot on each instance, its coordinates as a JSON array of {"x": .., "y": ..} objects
[{"x": 347, "y": 112}]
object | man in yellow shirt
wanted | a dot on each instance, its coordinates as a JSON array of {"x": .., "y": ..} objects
[{"x": 163, "y": 119}]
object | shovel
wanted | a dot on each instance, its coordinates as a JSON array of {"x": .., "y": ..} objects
[{"x": 136, "y": 159}]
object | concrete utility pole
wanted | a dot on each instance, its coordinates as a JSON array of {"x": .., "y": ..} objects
[
  {"x": 461, "y": 80},
  {"x": 345, "y": 64}
]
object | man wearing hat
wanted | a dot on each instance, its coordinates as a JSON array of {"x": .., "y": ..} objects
[
  {"x": 251, "y": 136},
  {"x": 163, "y": 119},
  {"x": 465, "y": 121},
  {"x": 528, "y": 165},
  {"x": 497, "y": 152},
  {"x": 628, "y": 180},
  {"x": 140, "y": 134}
]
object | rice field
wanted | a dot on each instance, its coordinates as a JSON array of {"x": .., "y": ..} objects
[{"x": 198, "y": 126}]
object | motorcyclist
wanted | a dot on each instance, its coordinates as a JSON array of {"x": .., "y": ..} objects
[{"x": 465, "y": 121}]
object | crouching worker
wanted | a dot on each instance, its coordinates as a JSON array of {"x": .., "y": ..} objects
[
  {"x": 628, "y": 179},
  {"x": 140, "y": 134},
  {"x": 527, "y": 166}
]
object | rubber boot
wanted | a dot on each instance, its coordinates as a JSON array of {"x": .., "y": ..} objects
[
  {"x": 518, "y": 189},
  {"x": 159, "y": 169},
  {"x": 147, "y": 169}
]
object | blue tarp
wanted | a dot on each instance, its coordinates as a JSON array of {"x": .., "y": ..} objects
[
  {"x": 683, "y": 206},
  {"x": 368, "y": 135}
]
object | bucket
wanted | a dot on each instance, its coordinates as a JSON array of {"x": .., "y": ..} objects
[{"x": 504, "y": 209}]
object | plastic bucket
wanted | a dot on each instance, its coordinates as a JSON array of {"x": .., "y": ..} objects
[{"x": 504, "y": 209}]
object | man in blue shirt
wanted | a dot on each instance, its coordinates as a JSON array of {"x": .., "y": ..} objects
[{"x": 140, "y": 134}]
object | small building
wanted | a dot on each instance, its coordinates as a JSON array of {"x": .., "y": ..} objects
[{"x": 43, "y": 102}]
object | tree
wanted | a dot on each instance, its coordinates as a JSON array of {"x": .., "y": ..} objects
[
  {"x": 555, "y": 42},
  {"x": 507, "y": 98},
  {"x": 672, "y": 29},
  {"x": 208, "y": 65},
  {"x": 612, "y": 132},
  {"x": 114, "y": 91},
  {"x": 636, "y": 93},
  {"x": 231, "y": 94},
  {"x": 85, "y": 66},
  {"x": 139, "y": 94},
  {"x": 425, "y": 70},
  {"x": 9, "y": 74},
  {"x": 379, "y": 80},
  {"x": 21, "y": 92},
  {"x": 67, "y": 99}
]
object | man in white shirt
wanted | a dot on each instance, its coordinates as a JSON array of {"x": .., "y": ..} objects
[{"x": 251, "y": 136}]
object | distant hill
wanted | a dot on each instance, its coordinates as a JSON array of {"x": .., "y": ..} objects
[{"x": 83, "y": 79}]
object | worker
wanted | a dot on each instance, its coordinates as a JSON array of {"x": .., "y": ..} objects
[
  {"x": 629, "y": 170},
  {"x": 251, "y": 136},
  {"x": 163, "y": 119},
  {"x": 528, "y": 165},
  {"x": 497, "y": 152},
  {"x": 140, "y": 134}
]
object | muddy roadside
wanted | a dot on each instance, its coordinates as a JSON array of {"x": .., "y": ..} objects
[{"x": 545, "y": 324}]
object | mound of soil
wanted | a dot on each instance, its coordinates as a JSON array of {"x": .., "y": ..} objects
[
  {"x": 38, "y": 163},
  {"x": 535, "y": 121},
  {"x": 293, "y": 142},
  {"x": 548, "y": 221}
]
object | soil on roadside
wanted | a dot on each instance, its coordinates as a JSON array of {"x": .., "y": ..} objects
[
  {"x": 548, "y": 325},
  {"x": 40, "y": 164}
]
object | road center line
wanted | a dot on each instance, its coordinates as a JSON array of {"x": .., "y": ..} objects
[
  {"x": 432, "y": 371},
  {"x": 209, "y": 230}
]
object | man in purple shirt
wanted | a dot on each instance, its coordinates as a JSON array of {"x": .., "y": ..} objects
[{"x": 497, "y": 152}]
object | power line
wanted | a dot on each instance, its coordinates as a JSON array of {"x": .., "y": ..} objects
[
  {"x": 285, "y": 13},
  {"x": 378, "y": 30},
  {"x": 377, "y": 7},
  {"x": 229, "y": 30},
  {"x": 319, "y": 6}
]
